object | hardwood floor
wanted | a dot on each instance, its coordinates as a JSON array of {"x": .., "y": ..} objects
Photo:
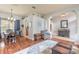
[{"x": 21, "y": 43}]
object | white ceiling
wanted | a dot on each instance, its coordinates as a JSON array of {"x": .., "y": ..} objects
[{"x": 25, "y": 9}]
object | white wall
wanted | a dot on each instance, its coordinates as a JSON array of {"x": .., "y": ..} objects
[
  {"x": 73, "y": 28},
  {"x": 36, "y": 24},
  {"x": 77, "y": 15},
  {"x": 72, "y": 23}
]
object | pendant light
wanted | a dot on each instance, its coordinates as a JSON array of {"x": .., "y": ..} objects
[{"x": 11, "y": 17}]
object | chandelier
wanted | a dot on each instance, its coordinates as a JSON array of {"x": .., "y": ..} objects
[{"x": 11, "y": 18}]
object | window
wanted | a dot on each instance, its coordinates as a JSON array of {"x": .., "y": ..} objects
[
  {"x": 3, "y": 25},
  {"x": 6, "y": 24}
]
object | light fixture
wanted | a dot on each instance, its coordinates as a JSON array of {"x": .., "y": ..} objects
[
  {"x": 64, "y": 14},
  {"x": 33, "y": 7},
  {"x": 11, "y": 17},
  {"x": 35, "y": 11}
]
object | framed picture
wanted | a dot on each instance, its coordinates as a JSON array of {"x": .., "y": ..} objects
[{"x": 64, "y": 23}]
